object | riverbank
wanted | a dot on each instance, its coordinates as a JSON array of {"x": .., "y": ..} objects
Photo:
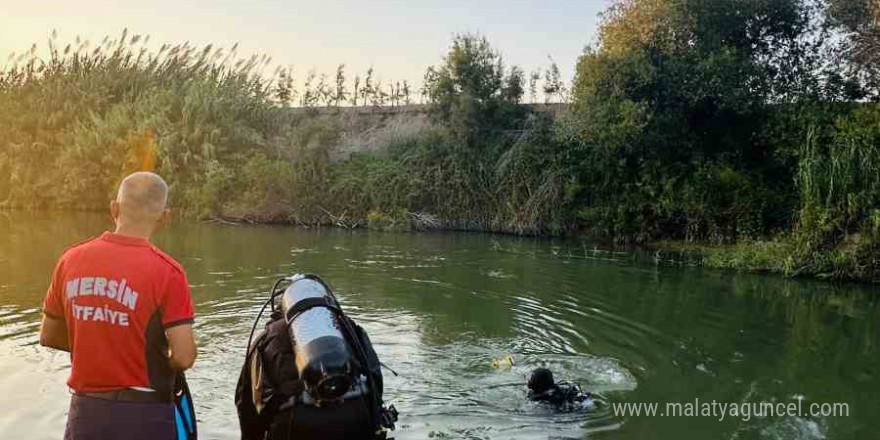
[{"x": 852, "y": 261}]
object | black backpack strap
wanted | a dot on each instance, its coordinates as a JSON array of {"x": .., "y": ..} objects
[
  {"x": 253, "y": 426},
  {"x": 310, "y": 303}
]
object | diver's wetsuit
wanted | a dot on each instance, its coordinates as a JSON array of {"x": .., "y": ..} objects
[
  {"x": 542, "y": 388},
  {"x": 560, "y": 395}
]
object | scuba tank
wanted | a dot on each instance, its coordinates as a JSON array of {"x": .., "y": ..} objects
[
  {"x": 312, "y": 373},
  {"x": 323, "y": 360}
]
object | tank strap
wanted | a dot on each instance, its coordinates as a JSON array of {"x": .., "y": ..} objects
[{"x": 310, "y": 303}]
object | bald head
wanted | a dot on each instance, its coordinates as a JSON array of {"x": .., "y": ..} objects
[{"x": 142, "y": 197}]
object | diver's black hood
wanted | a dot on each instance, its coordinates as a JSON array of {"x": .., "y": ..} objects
[{"x": 541, "y": 381}]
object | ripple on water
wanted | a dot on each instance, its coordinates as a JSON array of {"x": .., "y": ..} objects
[
  {"x": 39, "y": 414},
  {"x": 562, "y": 322},
  {"x": 464, "y": 395},
  {"x": 498, "y": 273},
  {"x": 416, "y": 280},
  {"x": 794, "y": 428},
  {"x": 19, "y": 325}
]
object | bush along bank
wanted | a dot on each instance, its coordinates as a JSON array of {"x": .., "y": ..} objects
[{"x": 740, "y": 129}]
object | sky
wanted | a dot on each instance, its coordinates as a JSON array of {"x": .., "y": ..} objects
[{"x": 399, "y": 38}]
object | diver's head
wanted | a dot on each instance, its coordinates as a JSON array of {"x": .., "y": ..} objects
[{"x": 541, "y": 381}]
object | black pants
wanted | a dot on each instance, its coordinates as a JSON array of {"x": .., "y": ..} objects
[{"x": 98, "y": 419}]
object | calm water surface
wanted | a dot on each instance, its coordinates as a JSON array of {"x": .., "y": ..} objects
[{"x": 441, "y": 307}]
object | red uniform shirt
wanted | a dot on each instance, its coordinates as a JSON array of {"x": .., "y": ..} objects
[{"x": 118, "y": 295}]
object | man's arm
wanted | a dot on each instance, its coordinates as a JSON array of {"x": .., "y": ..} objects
[
  {"x": 53, "y": 333},
  {"x": 182, "y": 345}
]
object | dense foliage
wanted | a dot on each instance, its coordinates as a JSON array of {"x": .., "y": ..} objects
[{"x": 748, "y": 124}]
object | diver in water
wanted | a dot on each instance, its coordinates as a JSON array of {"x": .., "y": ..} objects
[
  {"x": 312, "y": 373},
  {"x": 562, "y": 395}
]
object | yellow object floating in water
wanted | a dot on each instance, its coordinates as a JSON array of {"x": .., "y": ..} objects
[{"x": 506, "y": 362}]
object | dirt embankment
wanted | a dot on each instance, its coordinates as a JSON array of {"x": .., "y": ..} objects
[{"x": 369, "y": 129}]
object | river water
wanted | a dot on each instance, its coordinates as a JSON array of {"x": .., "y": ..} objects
[{"x": 441, "y": 307}]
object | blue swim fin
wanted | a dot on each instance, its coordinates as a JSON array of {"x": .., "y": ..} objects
[{"x": 184, "y": 412}]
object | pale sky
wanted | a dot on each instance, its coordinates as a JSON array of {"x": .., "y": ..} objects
[{"x": 399, "y": 38}]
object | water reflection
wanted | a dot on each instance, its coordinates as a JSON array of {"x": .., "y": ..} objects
[{"x": 441, "y": 307}]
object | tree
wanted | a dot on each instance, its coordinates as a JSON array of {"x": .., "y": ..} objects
[
  {"x": 378, "y": 96},
  {"x": 325, "y": 93},
  {"x": 514, "y": 85},
  {"x": 470, "y": 74},
  {"x": 340, "y": 94},
  {"x": 392, "y": 94},
  {"x": 354, "y": 94},
  {"x": 368, "y": 91},
  {"x": 310, "y": 96},
  {"x": 428, "y": 81},
  {"x": 406, "y": 93},
  {"x": 533, "y": 85},
  {"x": 671, "y": 106},
  {"x": 466, "y": 89},
  {"x": 284, "y": 88},
  {"x": 859, "y": 23},
  {"x": 553, "y": 84}
]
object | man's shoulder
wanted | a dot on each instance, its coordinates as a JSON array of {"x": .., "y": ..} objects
[
  {"x": 74, "y": 249},
  {"x": 168, "y": 260}
]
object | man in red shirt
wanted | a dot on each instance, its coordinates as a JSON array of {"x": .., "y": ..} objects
[{"x": 124, "y": 311}]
